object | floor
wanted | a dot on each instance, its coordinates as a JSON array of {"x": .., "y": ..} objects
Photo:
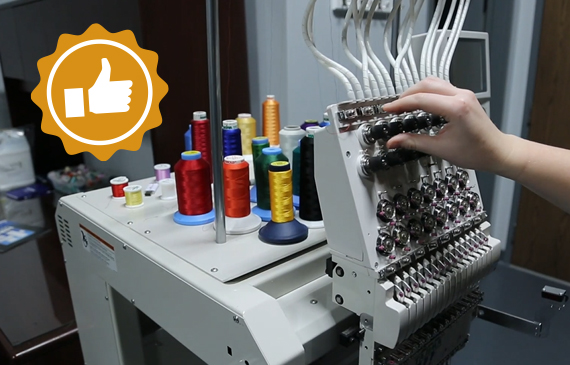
[{"x": 516, "y": 291}]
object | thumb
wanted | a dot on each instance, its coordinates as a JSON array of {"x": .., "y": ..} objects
[
  {"x": 415, "y": 142},
  {"x": 105, "y": 75}
]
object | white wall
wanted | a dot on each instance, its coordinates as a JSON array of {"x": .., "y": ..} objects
[{"x": 280, "y": 63}]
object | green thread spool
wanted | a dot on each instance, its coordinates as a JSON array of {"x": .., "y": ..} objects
[
  {"x": 296, "y": 170},
  {"x": 257, "y": 145},
  {"x": 261, "y": 167}
]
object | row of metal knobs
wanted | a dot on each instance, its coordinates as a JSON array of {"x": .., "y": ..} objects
[{"x": 462, "y": 201}]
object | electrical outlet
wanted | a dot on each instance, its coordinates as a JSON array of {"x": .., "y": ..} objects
[{"x": 384, "y": 7}]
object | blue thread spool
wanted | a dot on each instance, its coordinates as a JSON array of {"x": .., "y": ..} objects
[{"x": 231, "y": 136}]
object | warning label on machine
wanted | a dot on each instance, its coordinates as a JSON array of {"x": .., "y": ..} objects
[{"x": 98, "y": 248}]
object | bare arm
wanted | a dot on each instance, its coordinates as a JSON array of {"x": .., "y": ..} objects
[{"x": 471, "y": 140}]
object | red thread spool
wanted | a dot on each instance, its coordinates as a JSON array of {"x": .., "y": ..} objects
[
  {"x": 117, "y": 185},
  {"x": 193, "y": 189},
  {"x": 236, "y": 187},
  {"x": 201, "y": 140}
]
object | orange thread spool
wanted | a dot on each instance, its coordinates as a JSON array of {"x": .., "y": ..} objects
[
  {"x": 236, "y": 187},
  {"x": 271, "y": 122}
]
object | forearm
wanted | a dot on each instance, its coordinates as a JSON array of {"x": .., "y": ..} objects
[{"x": 543, "y": 169}]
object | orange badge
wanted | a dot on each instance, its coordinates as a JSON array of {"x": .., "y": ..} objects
[{"x": 99, "y": 92}]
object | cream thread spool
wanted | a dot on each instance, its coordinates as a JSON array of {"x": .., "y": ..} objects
[
  {"x": 168, "y": 187},
  {"x": 133, "y": 196}
]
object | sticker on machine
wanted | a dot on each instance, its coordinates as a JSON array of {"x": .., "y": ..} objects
[{"x": 98, "y": 248}]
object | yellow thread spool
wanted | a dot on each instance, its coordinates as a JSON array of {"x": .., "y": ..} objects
[
  {"x": 247, "y": 126},
  {"x": 271, "y": 122},
  {"x": 281, "y": 192},
  {"x": 133, "y": 196}
]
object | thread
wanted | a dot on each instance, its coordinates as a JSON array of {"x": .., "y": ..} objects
[
  {"x": 201, "y": 140},
  {"x": 289, "y": 138},
  {"x": 117, "y": 185},
  {"x": 162, "y": 171},
  {"x": 231, "y": 137},
  {"x": 271, "y": 122},
  {"x": 257, "y": 145},
  {"x": 247, "y": 126},
  {"x": 188, "y": 138},
  {"x": 193, "y": 189},
  {"x": 236, "y": 187},
  {"x": 309, "y": 123},
  {"x": 325, "y": 121},
  {"x": 133, "y": 196},
  {"x": 309, "y": 206},
  {"x": 281, "y": 192},
  {"x": 168, "y": 188},
  {"x": 297, "y": 169},
  {"x": 268, "y": 155}
]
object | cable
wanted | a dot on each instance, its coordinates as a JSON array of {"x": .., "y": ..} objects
[
  {"x": 401, "y": 56},
  {"x": 442, "y": 35},
  {"x": 427, "y": 49},
  {"x": 351, "y": 83},
  {"x": 385, "y": 82},
  {"x": 352, "y": 12},
  {"x": 449, "y": 42},
  {"x": 370, "y": 66},
  {"x": 405, "y": 29},
  {"x": 411, "y": 58},
  {"x": 397, "y": 79},
  {"x": 456, "y": 39}
]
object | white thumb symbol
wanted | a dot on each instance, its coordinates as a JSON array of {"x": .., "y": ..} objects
[{"x": 107, "y": 96}]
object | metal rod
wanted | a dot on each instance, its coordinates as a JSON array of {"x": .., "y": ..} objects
[
  {"x": 394, "y": 45},
  {"x": 212, "y": 31}
]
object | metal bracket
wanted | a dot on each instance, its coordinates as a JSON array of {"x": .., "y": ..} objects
[{"x": 538, "y": 328}]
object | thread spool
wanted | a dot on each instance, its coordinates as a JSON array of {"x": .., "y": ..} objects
[
  {"x": 289, "y": 138},
  {"x": 188, "y": 138},
  {"x": 247, "y": 126},
  {"x": 271, "y": 122},
  {"x": 309, "y": 123},
  {"x": 268, "y": 155},
  {"x": 257, "y": 145},
  {"x": 192, "y": 174},
  {"x": 283, "y": 229},
  {"x": 133, "y": 196},
  {"x": 201, "y": 139},
  {"x": 117, "y": 185},
  {"x": 326, "y": 121},
  {"x": 162, "y": 171},
  {"x": 231, "y": 137},
  {"x": 296, "y": 174},
  {"x": 239, "y": 219},
  {"x": 309, "y": 206},
  {"x": 168, "y": 188}
]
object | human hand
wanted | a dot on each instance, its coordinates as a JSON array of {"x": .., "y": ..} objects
[
  {"x": 108, "y": 96},
  {"x": 469, "y": 139}
]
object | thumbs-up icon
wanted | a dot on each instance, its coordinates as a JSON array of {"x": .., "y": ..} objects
[{"x": 105, "y": 96}]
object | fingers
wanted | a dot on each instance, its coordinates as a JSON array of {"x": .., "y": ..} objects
[
  {"x": 431, "y": 85},
  {"x": 415, "y": 142},
  {"x": 431, "y": 103}
]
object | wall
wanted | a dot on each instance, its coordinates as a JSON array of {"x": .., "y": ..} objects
[{"x": 280, "y": 63}]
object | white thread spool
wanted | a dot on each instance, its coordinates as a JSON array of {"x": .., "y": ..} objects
[
  {"x": 168, "y": 187},
  {"x": 289, "y": 138}
]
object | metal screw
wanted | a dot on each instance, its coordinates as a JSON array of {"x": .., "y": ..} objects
[
  {"x": 83, "y": 196},
  {"x": 64, "y": 261},
  {"x": 146, "y": 232},
  {"x": 106, "y": 297},
  {"x": 124, "y": 246},
  {"x": 130, "y": 222},
  {"x": 339, "y": 271},
  {"x": 314, "y": 301},
  {"x": 354, "y": 274},
  {"x": 339, "y": 299},
  {"x": 376, "y": 265},
  {"x": 214, "y": 269},
  {"x": 60, "y": 203},
  {"x": 365, "y": 321},
  {"x": 347, "y": 153},
  {"x": 390, "y": 270},
  {"x": 133, "y": 301},
  {"x": 236, "y": 319}
]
